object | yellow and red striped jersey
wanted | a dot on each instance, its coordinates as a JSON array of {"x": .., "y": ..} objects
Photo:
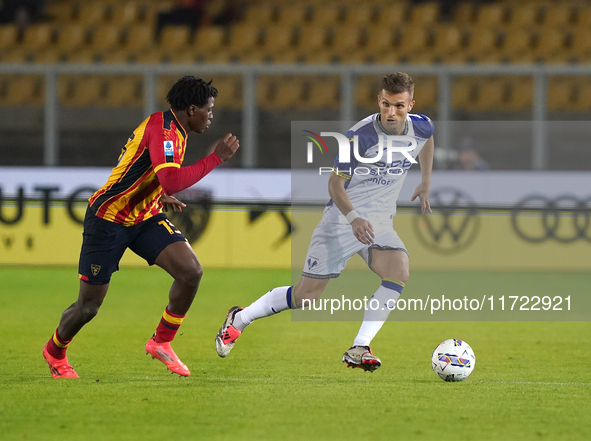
[{"x": 132, "y": 192}]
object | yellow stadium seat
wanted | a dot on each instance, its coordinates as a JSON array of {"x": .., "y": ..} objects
[
  {"x": 91, "y": 13},
  {"x": 517, "y": 43},
  {"x": 582, "y": 95},
  {"x": 580, "y": 43},
  {"x": 311, "y": 39},
  {"x": 492, "y": 94},
  {"x": 173, "y": 38},
  {"x": 88, "y": 90},
  {"x": 123, "y": 91},
  {"x": 561, "y": 93},
  {"x": 208, "y": 39},
  {"x": 346, "y": 39},
  {"x": 293, "y": 14},
  {"x": 463, "y": 93},
  {"x": 139, "y": 37},
  {"x": 367, "y": 89},
  {"x": 380, "y": 39},
  {"x": 23, "y": 90},
  {"x": 490, "y": 15},
  {"x": 38, "y": 36},
  {"x": 8, "y": 36},
  {"x": 71, "y": 37},
  {"x": 229, "y": 91},
  {"x": 425, "y": 14},
  {"x": 550, "y": 44},
  {"x": 60, "y": 12},
  {"x": 259, "y": 14},
  {"x": 389, "y": 15},
  {"x": 278, "y": 39},
  {"x": 117, "y": 56},
  {"x": 48, "y": 56},
  {"x": 464, "y": 14},
  {"x": 288, "y": 93},
  {"x": 14, "y": 55},
  {"x": 359, "y": 15},
  {"x": 425, "y": 94},
  {"x": 326, "y": 14},
  {"x": 322, "y": 92},
  {"x": 244, "y": 37},
  {"x": 150, "y": 56},
  {"x": 447, "y": 41},
  {"x": 481, "y": 42},
  {"x": 520, "y": 94},
  {"x": 125, "y": 13},
  {"x": 105, "y": 38},
  {"x": 524, "y": 15},
  {"x": 414, "y": 42},
  {"x": 265, "y": 91},
  {"x": 557, "y": 15}
]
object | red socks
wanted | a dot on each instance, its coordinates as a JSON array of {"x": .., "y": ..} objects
[
  {"x": 168, "y": 326},
  {"x": 56, "y": 346}
]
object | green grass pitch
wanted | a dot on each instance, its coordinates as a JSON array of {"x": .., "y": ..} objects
[{"x": 284, "y": 380}]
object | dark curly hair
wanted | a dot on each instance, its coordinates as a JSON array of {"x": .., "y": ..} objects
[
  {"x": 190, "y": 90},
  {"x": 398, "y": 82}
]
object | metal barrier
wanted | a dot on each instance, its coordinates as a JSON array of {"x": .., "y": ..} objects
[{"x": 348, "y": 74}]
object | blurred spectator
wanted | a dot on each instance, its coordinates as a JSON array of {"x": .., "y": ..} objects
[
  {"x": 468, "y": 158},
  {"x": 21, "y": 12}
]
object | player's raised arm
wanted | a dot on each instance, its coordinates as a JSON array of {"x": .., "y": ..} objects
[
  {"x": 362, "y": 229},
  {"x": 426, "y": 163}
]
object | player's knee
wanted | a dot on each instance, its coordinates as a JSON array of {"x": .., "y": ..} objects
[
  {"x": 88, "y": 312},
  {"x": 191, "y": 275}
]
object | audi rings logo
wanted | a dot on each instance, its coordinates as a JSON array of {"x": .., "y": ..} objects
[
  {"x": 564, "y": 219},
  {"x": 454, "y": 224}
]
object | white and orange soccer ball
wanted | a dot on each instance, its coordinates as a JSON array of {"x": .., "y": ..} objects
[{"x": 453, "y": 360}]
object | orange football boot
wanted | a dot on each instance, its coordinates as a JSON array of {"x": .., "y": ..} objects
[
  {"x": 164, "y": 353},
  {"x": 59, "y": 368}
]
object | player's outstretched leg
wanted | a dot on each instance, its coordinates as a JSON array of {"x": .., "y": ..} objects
[
  {"x": 237, "y": 319},
  {"x": 227, "y": 335},
  {"x": 361, "y": 357}
]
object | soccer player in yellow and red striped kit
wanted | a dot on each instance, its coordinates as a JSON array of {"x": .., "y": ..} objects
[{"x": 127, "y": 213}]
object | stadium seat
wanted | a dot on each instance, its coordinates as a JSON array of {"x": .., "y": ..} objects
[
  {"x": 294, "y": 14},
  {"x": 327, "y": 14},
  {"x": 8, "y": 36},
  {"x": 550, "y": 47},
  {"x": 229, "y": 91},
  {"x": 582, "y": 95},
  {"x": 14, "y": 55},
  {"x": 425, "y": 14},
  {"x": 524, "y": 15},
  {"x": 123, "y": 91},
  {"x": 492, "y": 93},
  {"x": 125, "y": 13},
  {"x": 561, "y": 93},
  {"x": 580, "y": 44},
  {"x": 22, "y": 90},
  {"x": 139, "y": 37},
  {"x": 61, "y": 12},
  {"x": 517, "y": 45},
  {"x": 289, "y": 93},
  {"x": 425, "y": 94},
  {"x": 48, "y": 56},
  {"x": 105, "y": 38},
  {"x": 117, "y": 56},
  {"x": 463, "y": 93},
  {"x": 414, "y": 44},
  {"x": 520, "y": 93},
  {"x": 259, "y": 14},
  {"x": 173, "y": 38},
  {"x": 311, "y": 39},
  {"x": 90, "y": 13},
  {"x": 557, "y": 16},
  {"x": 84, "y": 90},
  {"x": 71, "y": 37},
  {"x": 346, "y": 40},
  {"x": 359, "y": 15},
  {"x": 490, "y": 16},
  {"x": 81, "y": 56},
  {"x": 380, "y": 40},
  {"x": 207, "y": 40},
  {"x": 321, "y": 92},
  {"x": 481, "y": 42},
  {"x": 265, "y": 91},
  {"x": 278, "y": 39},
  {"x": 464, "y": 14},
  {"x": 244, "y": 38},
  {"x": 390, "y": 15},
  {"x": 366, "y": 92},
  {"x": 37, "y": 37},
  {"x": 447, "y": 41}
]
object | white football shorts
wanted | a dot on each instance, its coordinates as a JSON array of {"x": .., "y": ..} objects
[{"x": 332, "y": 245}]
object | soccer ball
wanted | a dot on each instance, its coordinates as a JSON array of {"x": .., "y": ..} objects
[{"x": 453, "y": 360}]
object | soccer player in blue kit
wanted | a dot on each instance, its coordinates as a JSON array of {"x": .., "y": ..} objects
[{"x": 357, "y": 219}]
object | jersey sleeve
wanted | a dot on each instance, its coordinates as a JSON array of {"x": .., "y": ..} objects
[
  {"x": 423, "y": 126},
  {"x": 163, "y": 146}
]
